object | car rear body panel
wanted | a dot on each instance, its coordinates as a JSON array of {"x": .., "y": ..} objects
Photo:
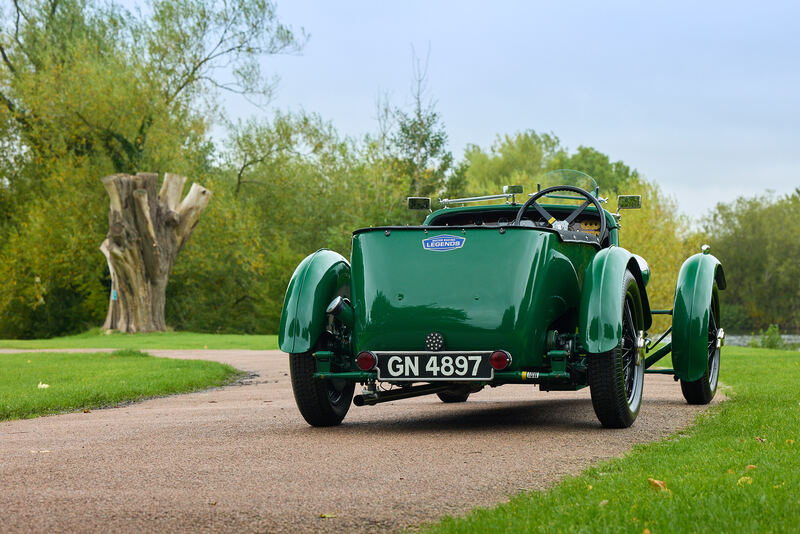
[{"x": 481, "y": 288}]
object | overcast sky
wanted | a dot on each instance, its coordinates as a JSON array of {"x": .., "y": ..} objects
[{"x": 701, "y": 97}]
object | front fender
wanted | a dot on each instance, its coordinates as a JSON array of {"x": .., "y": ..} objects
[
  {"x": 693, "y": 295},
  {"x": 600, "y": 320},
  {"x": 316, "y": 281}
]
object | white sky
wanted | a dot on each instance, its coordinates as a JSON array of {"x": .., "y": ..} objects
[{"x": 701, "y": 97}]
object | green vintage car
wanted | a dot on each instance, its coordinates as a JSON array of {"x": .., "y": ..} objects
[{"x": 481, "y": 294}]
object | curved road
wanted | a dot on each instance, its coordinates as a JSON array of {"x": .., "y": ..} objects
[{"x": 242, "y": 459}]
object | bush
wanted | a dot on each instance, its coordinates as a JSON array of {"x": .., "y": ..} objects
[{"x": 771, "y": 339}]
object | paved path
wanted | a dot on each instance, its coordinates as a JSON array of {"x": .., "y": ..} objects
[{"x": 242, "y": 459}]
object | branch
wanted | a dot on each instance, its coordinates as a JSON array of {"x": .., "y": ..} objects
[
  {"x": 189, "y": 210},
  {"x": 110, "y": 183},
  {"x": 8, "y": 103},
  {"x": 247, "y": 164},
  {"x": 7, "y": 61},
  {"x": 171, "y": 190},
  {"x": 53, "y": 7},
  {"x": 196, "y": 67},
  {"x": 130, "y": 151}
]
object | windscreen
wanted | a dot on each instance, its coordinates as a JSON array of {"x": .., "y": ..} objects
[{"x": 567, "y": 177}]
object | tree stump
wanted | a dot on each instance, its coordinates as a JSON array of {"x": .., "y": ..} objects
[{"x": 146, "y": 232}]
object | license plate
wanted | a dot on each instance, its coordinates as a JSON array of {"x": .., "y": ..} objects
[{"x": 431, "y": 366}]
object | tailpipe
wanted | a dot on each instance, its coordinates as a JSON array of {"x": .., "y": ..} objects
[{"x": 397, "y": 394}]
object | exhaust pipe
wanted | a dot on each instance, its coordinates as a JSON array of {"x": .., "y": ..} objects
[{"x": 397, "y": 394}]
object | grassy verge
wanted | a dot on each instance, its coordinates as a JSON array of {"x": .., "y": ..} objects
[
  {"x": 96, "y": 339},
  {"x": 736, "y": 470},
  {"x": 79, "y": 381}
]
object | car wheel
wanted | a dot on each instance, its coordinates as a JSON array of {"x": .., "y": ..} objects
[
  {"x": 453, "y": 395},
  {"x": 321, "y": 402},
  {"x": 616, "y": 378},
  {"x": 701, "y": 391}
]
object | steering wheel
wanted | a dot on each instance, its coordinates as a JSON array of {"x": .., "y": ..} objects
[{"x": 563, "y": 225}]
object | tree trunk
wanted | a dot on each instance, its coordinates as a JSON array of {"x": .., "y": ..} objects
[{"x": 146, "y": 232}]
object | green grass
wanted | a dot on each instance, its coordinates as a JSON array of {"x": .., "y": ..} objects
[
  {"x": 96, "y": 339},
  {"x": 79, "y": 381},
  {"x": 705, "y": 468}
]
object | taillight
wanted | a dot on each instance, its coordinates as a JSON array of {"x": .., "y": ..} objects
[
  {"x": 366, "y": 361},
  {"x": 500, "y": 359}
]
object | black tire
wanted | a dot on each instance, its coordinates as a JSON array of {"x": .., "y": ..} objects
[
  {"x": 703, "y": 390},
  {"x": 616, "y": 378},
  {"x": 453, "y": 395},
  {"x": 321, "y": 402}
]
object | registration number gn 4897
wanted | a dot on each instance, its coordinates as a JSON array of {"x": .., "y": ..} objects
[{"x": 431, "y": 366}]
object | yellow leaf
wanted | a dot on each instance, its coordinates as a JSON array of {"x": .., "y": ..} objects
[
  {"x": 43, "y": 386},
  {"x": 744, "y": 480},
  {"x": 327, "y": 516}
]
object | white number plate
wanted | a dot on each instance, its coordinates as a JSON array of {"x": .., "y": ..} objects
[{"x": 431, "y": 366}]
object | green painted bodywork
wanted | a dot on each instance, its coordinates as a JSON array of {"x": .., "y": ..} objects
[
  {"x": 504, "y": 289},
  {"x": 319, "y": 278},
  {"x": 501, "y": 290},
  {"x": 600, "y": 324},
  {"x": 690, "y": 314}
]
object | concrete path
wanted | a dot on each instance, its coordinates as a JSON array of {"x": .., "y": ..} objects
[{"x": 242, "y": 459}]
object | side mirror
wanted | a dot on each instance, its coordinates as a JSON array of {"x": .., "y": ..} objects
[
  {"x": 629, "y": 202},
  {"x": 419, "y": 203},
  {"x": 512, "y": 189}
]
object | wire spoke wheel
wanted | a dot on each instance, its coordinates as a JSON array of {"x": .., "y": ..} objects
[
  {"x": 630, "y": 353},
  {"x": 616, "y": 378}
]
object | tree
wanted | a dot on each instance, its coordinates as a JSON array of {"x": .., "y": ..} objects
[
  {"x": 87, "y": 90},
  {"x": 146, "y": 232},
  {"x": 522, "y": 158},
  {"x": 761, "y": 260},
  {"x": 418, "y": 142}
]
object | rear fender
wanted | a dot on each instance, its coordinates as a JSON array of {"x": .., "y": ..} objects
[
  {"x": 600, "y": 321},
  {"x": 319, "y": 278},
  {"x": 693, "y": 295}
]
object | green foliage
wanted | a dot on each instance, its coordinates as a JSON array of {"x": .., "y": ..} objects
[
  {"x": 34, "y": 384},
  {"x": 740, "y": 457},
  {"x": 522, "y": 158},
  {"x": 735, "y": 316},
  {"x": 420, "y": 146},
  {"x": 760, "y": 258},
  {"x": 87, "y": 89}
]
